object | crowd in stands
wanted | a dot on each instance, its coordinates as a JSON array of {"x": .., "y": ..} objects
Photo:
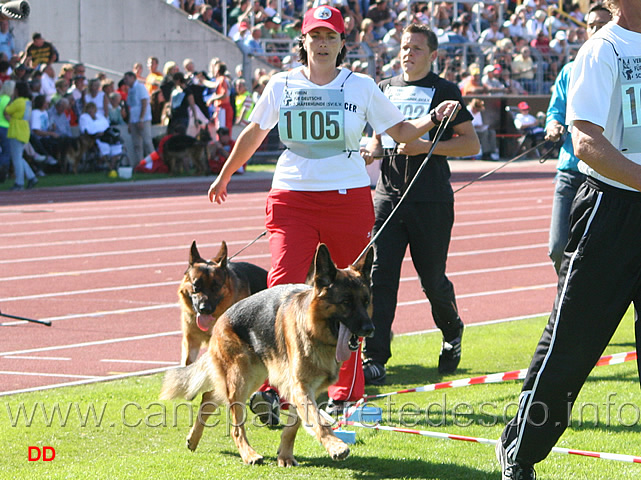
[
  {"x": 500, "y": 47},
  {"x": 494, "y": 47}
]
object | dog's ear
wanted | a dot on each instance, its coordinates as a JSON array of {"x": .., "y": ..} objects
[
  {"x": 364, "y": 266},
  {"x": 221, "y": 257},
  {"x": 324, "y": 268},
  {"x": 194, "y": 255}
]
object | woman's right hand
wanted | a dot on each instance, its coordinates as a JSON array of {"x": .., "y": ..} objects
[{"x": 218, "y": 190}]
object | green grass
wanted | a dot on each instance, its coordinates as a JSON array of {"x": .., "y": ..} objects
[
  {"x": 65, "y": 180},
  {"x": 140, "y": 437}
]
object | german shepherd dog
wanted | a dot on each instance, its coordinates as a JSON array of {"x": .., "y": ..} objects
[
  {"x": 181, "y": 152},
  {"x": 73, "y": 150},
  {"x": 208, "y": 288},
  {"x": 297, "y": 335}
]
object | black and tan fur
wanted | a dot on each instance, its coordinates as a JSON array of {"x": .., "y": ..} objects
[
  {"x": 73, "y": 150},
  {"x": 289, "y": 333},
  {"x": 210, "y": 287},
  {"x": 183, "y": 152}
]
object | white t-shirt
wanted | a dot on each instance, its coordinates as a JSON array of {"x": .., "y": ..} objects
[
  {"x": 364, "y": 103},
  {"x": 596, "y": 93}
]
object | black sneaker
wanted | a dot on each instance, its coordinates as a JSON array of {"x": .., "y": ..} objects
[
  {"x": 374, "y": 372},
  {"x": 511, "y": 470},
  {"x": 16, "y": 188},
  {"x": 335, "y": 407},
  {"x": 32, "y": 183},
  {"x": 450, "y": 355},
  {"x": 266, "y": 405}
]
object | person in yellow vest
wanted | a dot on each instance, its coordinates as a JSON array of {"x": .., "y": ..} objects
[{"x": 244, "y": 103}]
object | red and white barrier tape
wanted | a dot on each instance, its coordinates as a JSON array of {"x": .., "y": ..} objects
[
  {"x": 492, "y": 378},
  {"x": 446, "y": 436}
]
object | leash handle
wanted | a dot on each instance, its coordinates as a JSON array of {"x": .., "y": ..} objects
[
  {"x": 437, "y": 137},
  {"x": 41, "y": 322}
]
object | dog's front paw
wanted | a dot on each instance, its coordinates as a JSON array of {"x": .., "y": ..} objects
[
  {"x": 253, "y": 459},
  {"x": 338, "y": 451},
  {"x": 288, "y": 461},
  {"x": 191, "y": 444}
]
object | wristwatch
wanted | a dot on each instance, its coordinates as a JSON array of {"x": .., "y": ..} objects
[{"x": 433, "y": 118}]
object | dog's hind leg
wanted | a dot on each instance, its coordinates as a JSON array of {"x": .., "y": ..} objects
[{"x": 207, "y": 408}]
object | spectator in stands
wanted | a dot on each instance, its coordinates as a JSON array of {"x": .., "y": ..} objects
[
  {"x": 61, "y": 89},
  {"x": 58, "y": 118},
  {"x": 240, "y": 13},
  {"x": 181, "y": 102},
  {"x": 95, "y": 95},
  {"x": 6, "y": 91},
  {"x": 244, "y": 102},
  {"x": 44, "y": 139},
  {"x": 48, "y": 81},
  {"x": 152, "y": 82},
  {"x": 253, "y": 46},
  {"x": 93, "y": 123},
  {"x": 117, "y": 112},
  {"x": 392, "y": 40},
  {"x": 137, "y": 69},
  {"x": 536, "y": 24},
  {"x": 206, "y": 16},
  {"x": 189, "y": 70},
  {"x": 524, "y": 68},
  {"x": 472, "y": 85},
  {"x": 139, "y": 116},
  {"x": 221, "y": 98},
  {"x": 491, "y": 34},
  {"x": 18, "y": 111},
  {"x": 167, "y": 84},
  {"x": 220, "y": 150},
  {"x": 7, "y": 42},
  {"x": 487, "y": 135},
  {"x": 366, "y": 35},
  {"x": 39, "y": 51},
  {"x": 490, "y": 79},
  {"x": 516, "y": 26},
  {"x": 560, "y": 48},
  {"x": 512, "y": 87},
  {"x": 66, "y": 72},
  {"x": 381, "y": 17}
]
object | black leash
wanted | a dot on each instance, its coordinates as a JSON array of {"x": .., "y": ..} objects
[
  {"x": 249, "y": 244},
  {"x": 41, "y": 322},
  {"x": 542, "y": 159},
  {"x": 437, "y": 137}
]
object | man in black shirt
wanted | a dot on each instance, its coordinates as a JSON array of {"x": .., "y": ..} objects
[{"x": 424, "y": 220}]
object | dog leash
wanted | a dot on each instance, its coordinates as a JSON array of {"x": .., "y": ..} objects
[
  {"x": 41, "y": 322},
  {"x": 437, "y": 137},
  {"x": 249, "y": 244}
]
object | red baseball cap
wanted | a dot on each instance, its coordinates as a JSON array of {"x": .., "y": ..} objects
[
  {"x": 323, "y": 16},
  {"x": 523, "y": 106}
]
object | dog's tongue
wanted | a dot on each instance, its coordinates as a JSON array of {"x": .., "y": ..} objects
[
  {"x": 204, "y": 321},
  {"x": 342, "y": 347}
]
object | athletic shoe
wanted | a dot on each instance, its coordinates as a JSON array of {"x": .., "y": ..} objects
[
  {"x": 450, "y": 355},
  {"x": 16, "y": 188},
  {"x": 512, "y": 470},
  {"x": 32, "y": 183},
  {"x": 266, "y": 405},
  {"x": 335, "y": 407},
  {"x": 374, "y": 372}
]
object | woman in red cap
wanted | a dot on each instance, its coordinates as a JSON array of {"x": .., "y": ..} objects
[{"x": 321, "y": 190}]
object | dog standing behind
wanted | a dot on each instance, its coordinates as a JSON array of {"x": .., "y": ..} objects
[
  {"x": 73, "y": 150},
  {"x": 296, "y": 335},
  {"x": 181, "y": 152},
  {"x": 208, "y": 288}
]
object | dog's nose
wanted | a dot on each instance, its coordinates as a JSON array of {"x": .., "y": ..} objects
[{"x": 367, "y": 330}]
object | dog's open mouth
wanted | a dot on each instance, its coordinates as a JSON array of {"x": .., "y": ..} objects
[
  {"x": 347, "y": 343},
  {"x": 204, "y": 322}
]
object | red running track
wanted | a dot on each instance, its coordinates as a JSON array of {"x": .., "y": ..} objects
[{"x": 103, "y": 264}]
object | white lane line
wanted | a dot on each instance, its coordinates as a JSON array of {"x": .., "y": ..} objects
[
  {"x": 35, "y": 374},
  {"x": 151, "y": 362},
  {"x": 87, "y": 382},
  {"x": 91, "y": 344},
  {"x": 99, "y": 314},
  {"x": 88, "y": 291},
  {"x": 485, "y": 294},
  {"x": 27, "y": 357}
]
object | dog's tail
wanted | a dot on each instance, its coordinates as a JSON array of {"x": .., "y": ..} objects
[{"x": 187, "y": 382}]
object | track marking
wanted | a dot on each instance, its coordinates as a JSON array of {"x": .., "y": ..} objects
[
  {"x": 151, "y": 362},
  {"x": 35, "y": 374},
  {"x": 26, "y": 357}
]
